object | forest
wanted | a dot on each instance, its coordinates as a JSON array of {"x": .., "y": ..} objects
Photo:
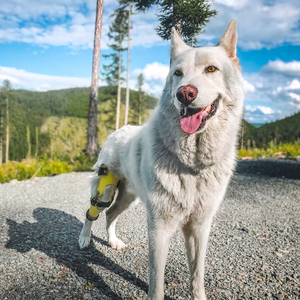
[
  {"x": 31, "y": 115},
  {"x": 33, "y": 133}
]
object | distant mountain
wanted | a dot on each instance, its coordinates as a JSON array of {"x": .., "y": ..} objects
[
  {"x": 286, "y": 130},
  {"x": 29, "y": 111}
]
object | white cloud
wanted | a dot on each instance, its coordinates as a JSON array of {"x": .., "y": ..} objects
[
  {"x": 264, "y": 109},
  {"x": 154, "y": 76},
  {"x": 156, "y": 71},
  {"x": 277, "y": 86},
  {"x": 39, "y": 82},
  {"x": 287, "y": 68},
  {"x": 295, "y": 105},
  {"x": 294, "y": 85},
  {"x": 294, "y": 96},
  {"x": 248, "y": 87},
  {"x": 63, "y": 23},
  {"x": 261, "y": 24},
  {"x": 71, "y": 23}
]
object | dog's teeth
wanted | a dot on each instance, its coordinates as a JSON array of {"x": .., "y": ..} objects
[{"x": 183, "y": 111}]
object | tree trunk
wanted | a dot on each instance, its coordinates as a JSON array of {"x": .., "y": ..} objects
[
  {"x": 7, "y": 132},
  {"x": 1, "y": 137},
  {"x": 128, "y": 63},
  {"x": 92, "y": 147},
  {"x": 36, "y": 141},
  {"x": 28, "y": 142},
  {"x": 140, "y": 109},
  {"x": 119, "y": 91}
]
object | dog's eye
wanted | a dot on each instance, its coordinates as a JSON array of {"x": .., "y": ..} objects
[
  {"x": 211, "y": 69},
  {"x": 178, "y": 73}
]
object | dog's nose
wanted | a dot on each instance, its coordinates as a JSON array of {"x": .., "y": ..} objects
[{"x": 186, "y": 94}]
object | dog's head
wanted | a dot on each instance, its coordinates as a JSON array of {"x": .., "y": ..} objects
[{"x": 204, "y": 81}]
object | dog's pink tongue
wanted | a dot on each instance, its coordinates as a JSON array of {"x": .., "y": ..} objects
[{"x": 190, "y": 124}]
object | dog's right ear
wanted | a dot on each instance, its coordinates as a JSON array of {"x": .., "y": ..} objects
[
  {"x": 229, "y": 41},
  {"x": 177, "y": 45}
]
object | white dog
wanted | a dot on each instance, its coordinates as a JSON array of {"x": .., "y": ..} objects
[{"x": 180, "y": 162}]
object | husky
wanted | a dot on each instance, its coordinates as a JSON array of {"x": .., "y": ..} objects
[{"x": 180, "y": 162}]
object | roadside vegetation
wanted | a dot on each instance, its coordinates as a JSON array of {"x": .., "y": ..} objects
[
  {"x": 48, "y": 130},
  {"x": 283, "y": 150},
  {"x": 31, "y": 168}
]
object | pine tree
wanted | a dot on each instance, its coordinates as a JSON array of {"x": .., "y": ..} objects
[
  {"x": 125, "y": 5},
  {"x": 117, "y": 33},
  {"x": 138, "y": 103},
  {"x": 187, "y": 16},
  {"x": 141, "y": 104}
]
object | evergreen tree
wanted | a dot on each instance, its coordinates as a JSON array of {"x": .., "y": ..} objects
[
  {"x": 141, "y": 103},
  {"x": 126, "y": 5},
  {"x": 117, "y": 33},
  {"x": 187, "y": 16},
  {"x": 138, "y": 109}
]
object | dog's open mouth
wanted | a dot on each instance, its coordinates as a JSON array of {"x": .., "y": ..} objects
[{"x": 192, "y": 120}]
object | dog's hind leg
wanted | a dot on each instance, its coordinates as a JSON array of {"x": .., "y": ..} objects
[{"x": 123, "y": 202}]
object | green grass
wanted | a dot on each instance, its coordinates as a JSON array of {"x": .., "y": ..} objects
[
  {"x": 30, "y": 168},
  {"x": 289, "y": 150}
]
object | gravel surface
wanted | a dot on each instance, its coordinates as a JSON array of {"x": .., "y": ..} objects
[{"x": 253, "y": 251}]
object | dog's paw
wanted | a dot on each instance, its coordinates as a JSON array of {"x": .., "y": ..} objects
[
  {"x": 117, "y": 244},
  {"x": 84, "y": 241}
]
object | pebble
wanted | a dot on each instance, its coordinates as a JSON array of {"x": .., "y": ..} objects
[{"x": 253, "y": 250}]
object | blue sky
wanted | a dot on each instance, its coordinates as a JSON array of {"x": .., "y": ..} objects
[{"x": 47, "y": 45}]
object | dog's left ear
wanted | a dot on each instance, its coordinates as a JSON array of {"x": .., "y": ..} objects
[
  {"x": 229, "y": 41},
  {"x": 178, "y": 46}
]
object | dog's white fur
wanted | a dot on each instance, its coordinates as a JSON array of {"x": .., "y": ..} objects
[{"x": 181, "y": 177}]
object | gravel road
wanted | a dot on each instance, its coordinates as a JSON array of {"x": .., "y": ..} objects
[{"x": 253, "y": 252}]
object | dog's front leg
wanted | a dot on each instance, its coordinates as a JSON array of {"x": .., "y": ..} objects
[
  {"x": 160, "y": 232},
  {"x": 196, "y": 233},
  {"x": 85, "y": 234}
]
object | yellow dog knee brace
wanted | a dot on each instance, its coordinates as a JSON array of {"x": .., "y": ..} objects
[{"x": 105, "y": 193}]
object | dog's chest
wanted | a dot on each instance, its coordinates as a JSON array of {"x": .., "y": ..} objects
[{"x": 180, "y": 188}]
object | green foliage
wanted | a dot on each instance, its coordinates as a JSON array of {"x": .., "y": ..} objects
[
  {"x": 33, "y": 109},
  {"x": 138, "y": 103},
  {"x": 286, "y": 130},
  {"x": 82, "y": 163},
  {"x": 6, "y": 86},
  {"x": 189, "y": 17},
  {"x": 118, "y": 31},
  {"x": 288, "y": 150},
  {"x": 28, "y": 168}
]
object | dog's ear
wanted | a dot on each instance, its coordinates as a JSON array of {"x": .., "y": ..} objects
[
  {"x": 177, "y": 45},
  {"x": 229, "y": 41}
]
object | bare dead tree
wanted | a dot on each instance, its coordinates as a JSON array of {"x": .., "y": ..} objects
[
  {"x": 7, "y": 131},
  {"x": 128, "y": 64},
  {"x": 92, "y": 146},
  {"x": 119, "y": 87},
  {"x": 1, "y": 135}
]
